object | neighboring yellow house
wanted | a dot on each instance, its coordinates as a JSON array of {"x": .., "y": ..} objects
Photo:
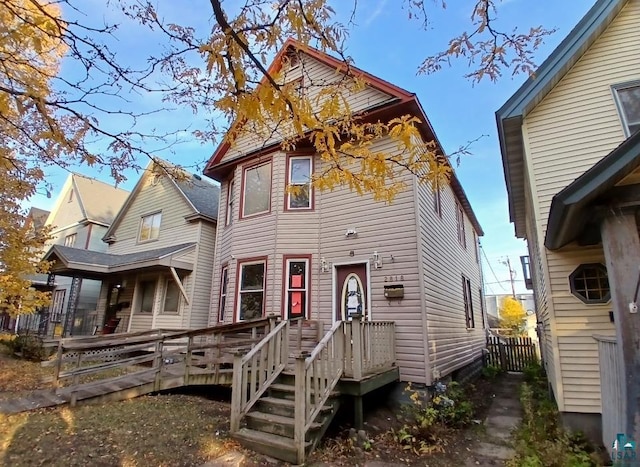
[{"x": 571, "y": 166}]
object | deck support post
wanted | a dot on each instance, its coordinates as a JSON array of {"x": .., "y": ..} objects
[
  {"x": 236, "y": 391},
  {"x": 300, "y": 411},
  {"x": 358, "y": 413},
  {"x": 158, "y": 366},
  {"x": 356, "y": 336}
]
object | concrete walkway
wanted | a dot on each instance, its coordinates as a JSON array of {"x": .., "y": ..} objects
[{"x": 505, "y": 414}]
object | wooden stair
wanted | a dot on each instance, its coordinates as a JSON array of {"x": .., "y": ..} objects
[{"x": 269, "y": 424}]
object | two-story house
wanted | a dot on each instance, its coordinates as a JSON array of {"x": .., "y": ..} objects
[
  {"x": 156, "y": 271},
  {"x": 571, "y": 152},
  {"x": 326, "y": 255},
  {"x": 79, "y": 218}
]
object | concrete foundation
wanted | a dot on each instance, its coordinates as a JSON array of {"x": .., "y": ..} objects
[{"x": 588, "y": 423}]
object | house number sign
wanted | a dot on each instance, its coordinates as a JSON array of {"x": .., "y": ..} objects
[{"x": 394, "y": 278}]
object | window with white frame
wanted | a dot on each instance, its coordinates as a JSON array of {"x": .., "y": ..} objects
[
  {"x": 70, "y": 240},
  {"x": 229, "y": 214},
  {"x": 437, "y": 200},
  {"x": 299, "y": 182},
  {"x": 251, "y": 290},
  {"x": 468, "y": 302},
  {"x": 297, "y": 288},
  {"x": 462, "y": 238},
  {"x": 171, "y": 302},
  {"x": 147, "y": 294},
  {"x": 150, "y": 227},
  {"x": 224, "y": 281},
  {"x": 628, "y": 100},
  {"x": 57, "y": 303},
  {"x": 256, "y": 192}
]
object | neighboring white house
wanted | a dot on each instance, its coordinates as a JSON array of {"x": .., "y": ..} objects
[
  {"x": 157, "y": 269},
  {"x": 325, "y": 255},
  {"x": 571, "y": 164},
  {"x": 494, "y": 302}
]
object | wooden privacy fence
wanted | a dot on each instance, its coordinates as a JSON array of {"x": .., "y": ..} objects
[{"x": 510, "y": 353}]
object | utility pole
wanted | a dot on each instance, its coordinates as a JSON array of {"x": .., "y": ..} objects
[{"x": 512, "y": 276}]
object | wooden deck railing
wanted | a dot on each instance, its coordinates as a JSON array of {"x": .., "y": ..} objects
[
  {"x": 203, "y": 356},
  {"x": 254, "y": 372},
  {"x": 370, "y": 347},
  {"x": 611, "y": 384},
  {"x": 317, "y": 375}
]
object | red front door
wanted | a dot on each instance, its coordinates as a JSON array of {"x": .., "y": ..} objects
[{"x": 351, "y": 292}]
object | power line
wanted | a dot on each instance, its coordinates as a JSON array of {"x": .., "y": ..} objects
[{"x": 492, "y": 271}]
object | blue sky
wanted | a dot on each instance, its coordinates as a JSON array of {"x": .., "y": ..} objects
[{"x": 386, "y": 43}]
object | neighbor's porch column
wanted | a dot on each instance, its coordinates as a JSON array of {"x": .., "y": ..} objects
[{"x": 622, "y": 254}]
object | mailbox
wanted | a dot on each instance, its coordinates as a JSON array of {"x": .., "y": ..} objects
[{"x": 394, "y": 291}]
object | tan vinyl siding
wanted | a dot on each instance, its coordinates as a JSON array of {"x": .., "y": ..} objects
[
  {"x": 316, "y": 75},
  {"x": 575, "y": 126},
  {"x": 200, "y": 280},
  {"x": 174, "y": 229},
  {"x": 444, "y": 261}
]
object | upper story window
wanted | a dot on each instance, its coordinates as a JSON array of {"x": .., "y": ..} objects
[
  {"x": 229, "y": 214},
  {"x": 462, "y": 237},
  {"x": 150, "y": 227},
  {"x": 299, "y": 182},
  {"x": 251, "y": 289},
  {"x": 70, "y": 240},
  {"x": 590, "y": 283},
  {"x": 437, "y": 199},
  {"x": 70, "y": 198},
  {"x": 628, "y": 99},
  {"x": 256, "y": 190}
]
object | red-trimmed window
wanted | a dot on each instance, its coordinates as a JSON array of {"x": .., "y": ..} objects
[
  {"x": 229, "y": 214},
  {"x": 296, "y": 300},
  {"x": 256, "y": 189},
  {"x": 224, "y": 281},
  {"x": 299, "y": 182},
  {"x": 251, "y": 289}
]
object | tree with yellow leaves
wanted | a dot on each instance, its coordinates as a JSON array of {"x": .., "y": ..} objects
[
  {"x": 512, "y": 316},
  {"x": 53, "y": 118}
]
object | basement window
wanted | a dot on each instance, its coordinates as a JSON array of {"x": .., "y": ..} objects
[{"x": 590, "y": 283}]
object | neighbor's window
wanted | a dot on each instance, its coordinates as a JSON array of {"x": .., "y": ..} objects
[
  {"x": 251, "y": 290},
  {"x": 224, "y": 280},
  {"x": 590, "y": 283},
  {"x": 628, "y": 98},
  {"x": 70, "y": 240},
  {"x": 150, "y": 227},
  {"x": 299, "y": 180},
  {"x": 297, "y": 288},
  {"x": 147, "y": 295},
  {"x": 171, "y": 297},
  {"x": 256, "y": 193},
  {"x": 462, "y": 238},
  {"x": 468, "y": 302},
  {"x": 56, "y": 305},
  {"x": 437, "y": 198},
  {"x": 229, "y": 213}
]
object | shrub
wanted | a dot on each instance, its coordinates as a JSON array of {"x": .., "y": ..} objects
[
  {"x": 427, "y": 418},
  {"x": 491, "y": 372},
  {"x": 29, "y": 347}
]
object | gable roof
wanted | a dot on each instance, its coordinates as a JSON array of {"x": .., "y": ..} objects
[
  {"x": 37, "y": 217},
  {"x": 404, "y": 102},
  {"x": 510, "y": 116},
  {"x": 96, "y": 263},
  {"x": 201, "y": 195},
  {"x": 98, "y": 202},
  {"x": 570, "y": 211}
]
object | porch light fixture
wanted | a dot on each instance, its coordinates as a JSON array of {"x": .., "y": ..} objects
[
  {"x": 377, "y": 260},
  {"x": 323, "y": 265}
]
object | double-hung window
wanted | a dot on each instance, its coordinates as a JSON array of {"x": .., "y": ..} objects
[
  {"x": 462, "y": 237},
  {"x": 147, "y": 291},
  {"x": 229, "y": 214},
  {"x": 251, "y": 289},
  {"x": 468, "y": 303},
  {"x": 299, "y": 195},
  {"x": 297, "y": 287},
  {"x": 171, "y": 297},
  {"x": 150, "y": 227},
  {"x": 628, "y": 99},
  {"x": 256, "y": 190},
  {"x": 70, "y": 240},
  {"x": 224, "y": 281}
]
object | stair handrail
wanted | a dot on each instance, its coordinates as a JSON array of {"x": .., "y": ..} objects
[
  {"x": 267, "y": 359},
  {"x": 319, "y": 371}
]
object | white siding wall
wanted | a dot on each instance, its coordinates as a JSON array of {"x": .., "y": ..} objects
[{"x": 574, "y": 127}]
